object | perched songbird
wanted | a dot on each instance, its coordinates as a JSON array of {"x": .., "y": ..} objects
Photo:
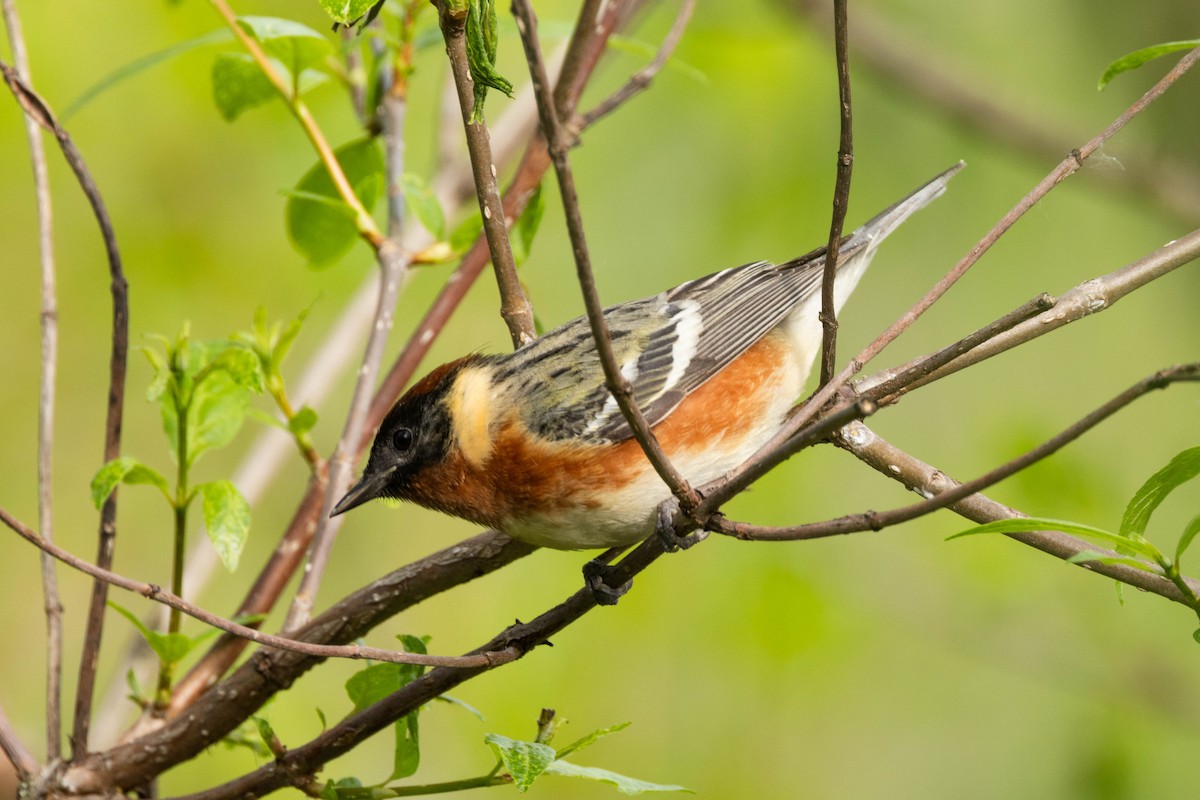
[{"x": 532, "y": 442}]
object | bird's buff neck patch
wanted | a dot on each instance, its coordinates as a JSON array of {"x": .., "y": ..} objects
[{"x": 470, "y": 411}]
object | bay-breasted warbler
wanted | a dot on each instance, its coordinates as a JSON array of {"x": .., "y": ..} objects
[{"x": 532, "y": 442}]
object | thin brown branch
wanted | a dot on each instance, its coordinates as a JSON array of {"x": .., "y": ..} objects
[
  {"x": 616, "y": 383},
  {"x": 515, "y": 309},
  {"x": 46, "y": 403},
  {"x": 912, "y": 67},
  {"x": 11, "y": 745},
  {"x": 1090, "y": 297},
  {"x": 841, "y": 192},
  {"x": 641, "y": 80},
  {"x": 1065, "y": 168},
  {"x": 896, "y": 464},
  {"x": 156, "y": 593},
  {"x": 269, "y": 671},
  {"x": 875, "y": 521},
  {"x": 37, "y": 109},
  {"x": 888, "y": 391}
]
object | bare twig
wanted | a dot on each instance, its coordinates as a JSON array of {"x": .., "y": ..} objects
[
  {"x": 158, "y": 594},
  {"x": 1065, "y": 168},
  {"x": 872, "y": 520},
  {"x": 903, "y": 379},
  {"x": 891, "y": 461},
  {"x": 1090, "y": 297},
  {"x": 38, "y": 110},
  {"x": 640, "y": 80},
  {"x": 617, "y": 384},
  {"x": 46, "y": 404},
  {"x": 514, "y": 305},
  {"x": 912, "y": 67},
  {"x": 841, "y": 192},
  {"x": 22, "y": 760}
]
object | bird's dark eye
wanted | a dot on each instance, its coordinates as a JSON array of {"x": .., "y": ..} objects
[{"x": 402, "y": 439}]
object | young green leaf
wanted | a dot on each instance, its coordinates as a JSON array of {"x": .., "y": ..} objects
[
  {"x": 424, "y": 204},
  {"x": 323, "y": 234},
  {"x": 481, "y": 41},
  {"x": 265, "y": 731},
  {"x": 296, "y": 46},
  {"x": 624, "y": 784},
  {"x": 526, "y": 226},
  {"x": 169, "y": 647},
  {"x": 525, "y": 761},
  {"x": 162, "y": 372},
  {"x": 1179, "y": 470},
  {"x": 466, "y": 232},
  {"x": 346, "y": 12},
  {"x": 1093, "y": 556},
  {"x": 125, "y": 469},
  {"x": 239, "y": 85},
  {"x": 1140, "y": 547},
  {"x": 1185, "y": 541},
  {"x": 454, "y": 701},
  {"x": 591, "y": 739},
  {"x": 303, "y": 422},
  {"x": 216, "y": 414},
  {"x": 1131, "y": 61},
  {"x": 140, "y": 65},
  {"x": 374, "y": 683},
  {"x": 227, "y": 518}
]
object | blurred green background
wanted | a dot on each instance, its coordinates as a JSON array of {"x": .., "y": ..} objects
[{"x": 890, "y": 664}]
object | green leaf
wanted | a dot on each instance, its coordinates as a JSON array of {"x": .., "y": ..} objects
[
  {"x": 281, "y": 343},
  {"x": 1141, "y": 547},
  {"x": 525, "y": 761},
  {"x": 372, "y": 684},
  {"x": 240, "y": 363},
  {"x": 526, "y": 226},
  {"x": 239, "y": 85},
  {"x": 169, "y": 647},
  {"x": 323, "y": 234},
  {"x": 162, "y": 372},
  {"x": 216, "y": 414},
  {"x": 591, "y": 739},
  {"x": 1133, "y": 60},
  {"x": 140, "y": 65},
  {"x": 1185, "y": 541},
  {"x": 454, "y": 701},
  {"x": 466, "y": 232},
  {"x": 1196, "y": 635},
  {"x": 296, "y": 46},
  {"x": 624, "y": 784},
  {"x": 1179, "y": 470},
  {"x": 346, "y": 12},
  {"x": 481, "y": 53},
  {"x": 125, "y": 469},
  {"x": 303, "y": 422},
  {"x": 1092, "y": 556},
  {"x": 227, "y": 518},
  {"x": 424, "y": 204},
  {"x": 265, "y": 731}
]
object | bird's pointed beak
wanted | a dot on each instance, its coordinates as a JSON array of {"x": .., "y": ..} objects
[{"x": 370, "y": 487}]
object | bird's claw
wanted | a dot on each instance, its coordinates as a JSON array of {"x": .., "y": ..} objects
[
  {"x": 595, "y": 575},
  {"x": 665, "y": 528}
]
